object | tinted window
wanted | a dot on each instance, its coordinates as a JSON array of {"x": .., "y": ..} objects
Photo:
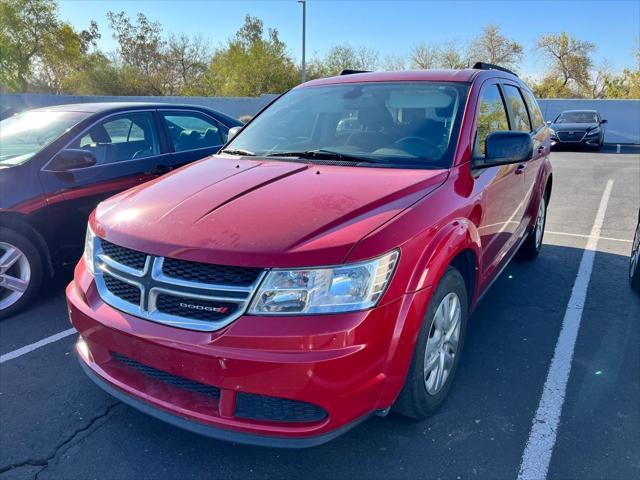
[
  {"x": 403, "y": 124},
  {"x": 534, "y": 110},
  {"x": 520, "y": 119},
  {"x": 125, "y": 137},
  {"x": 492, "y": 116},
  {"x": 192, "y": 131}
]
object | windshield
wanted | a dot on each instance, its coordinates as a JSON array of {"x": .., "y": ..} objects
[
  {"x": 406, "y": 124},
  {"x": 577, "y": 117},
  {"x": 25, "y": 134}
]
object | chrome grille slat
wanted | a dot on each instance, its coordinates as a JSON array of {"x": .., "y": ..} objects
[{"x": 141, "y": 288}]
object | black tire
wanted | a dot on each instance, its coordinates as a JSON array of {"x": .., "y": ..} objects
[
  {"x": 531, "y": 247},
  {"x": 35, "y": 265},
  {"x": 414, "y": 401},
  {"x": 634, "y": 270}
]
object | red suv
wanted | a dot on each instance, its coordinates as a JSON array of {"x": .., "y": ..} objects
[{"x": 323, "y": 266}]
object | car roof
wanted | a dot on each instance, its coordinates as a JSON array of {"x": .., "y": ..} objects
[
  {"x": 100, "y": 107},
  {"x": 579, "y": 111},
  {"x": 466, "y": 75}
]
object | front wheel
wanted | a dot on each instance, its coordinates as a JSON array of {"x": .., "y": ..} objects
[
  {"x": 531, "y": 247},
  {"x": 438, "y": 348},
  {"x": 20, "y": 272}
]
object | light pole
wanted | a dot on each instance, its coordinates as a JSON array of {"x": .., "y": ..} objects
[{"x": 304, "y": 35}]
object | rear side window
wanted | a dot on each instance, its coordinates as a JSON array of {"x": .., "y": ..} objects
[
  {"x": 492, "y": 117},
  {"x": 191, "y": 131},
  {"x": 519, "y": 117},
  {"x": 534, "y": 110}
]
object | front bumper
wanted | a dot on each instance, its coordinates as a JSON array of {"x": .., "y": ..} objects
[{"x": 346, "y": 365}]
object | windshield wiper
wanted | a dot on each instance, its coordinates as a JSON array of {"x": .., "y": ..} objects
[
  {"x": 322, "y": 154},
  {"x": 238, "y": 151}
]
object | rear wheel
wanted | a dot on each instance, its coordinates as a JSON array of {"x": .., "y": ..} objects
[
  {"x": 20, "y": 272},
  {"x": 531, "y": 247},
  {"x": 437, "y": 353}
]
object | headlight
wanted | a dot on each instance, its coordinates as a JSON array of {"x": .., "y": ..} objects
[
  {"x": 89, "y": 240},
  {"x": 343, "y": 288},
  {"x": 594, "y": 131},
  {"x": 552, "y": 131}
]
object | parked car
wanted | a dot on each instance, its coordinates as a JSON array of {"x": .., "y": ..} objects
[
  {"x": 634, "y": 260},
  {"x": 578, "y": 127},
  {"x": 58, "y": 163},
  {"x": 302, "y": 280}
]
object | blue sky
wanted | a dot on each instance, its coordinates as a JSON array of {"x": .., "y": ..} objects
[{"x": 391, "y": 27}]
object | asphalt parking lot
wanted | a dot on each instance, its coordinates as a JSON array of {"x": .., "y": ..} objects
[{"x": 54, "y": 423}]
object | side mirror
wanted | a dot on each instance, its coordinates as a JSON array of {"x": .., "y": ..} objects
[
  {"x": 503, "y": 148},
  {"x": 73, "y": 158},
  {"x": 603, "y": 121},
  {"x": 233, "y": 131}
]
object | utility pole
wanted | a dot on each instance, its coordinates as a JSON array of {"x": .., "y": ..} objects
[{"x": 304, "y": 35}]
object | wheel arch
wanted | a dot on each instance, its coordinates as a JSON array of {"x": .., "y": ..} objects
[
  {"x": 20, "y": 223},
  {"x": 458, "y": 245}
]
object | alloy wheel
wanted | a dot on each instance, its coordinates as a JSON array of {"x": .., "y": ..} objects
[
  {"x": 540, "y": 222},
  {"x": 15, "y": 274},
  {"x": 442, "y": 344}
]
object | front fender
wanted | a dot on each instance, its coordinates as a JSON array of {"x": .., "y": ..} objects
[{"x": 452, "y": 239}]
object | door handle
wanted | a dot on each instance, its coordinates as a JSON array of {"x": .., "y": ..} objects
[{"x": 520, "y": 169}]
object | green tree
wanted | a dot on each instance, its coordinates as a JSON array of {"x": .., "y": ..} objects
[
  {"x": 37, "y": 50},
  {"x": 252, "y": 63},
  {"x": 493, "y": 47},
  {"x": 569, "y": 58},
  {"x": 454, "y": 55},
  {"x": 425, "y": 56},
  {"x": 344, "y": 57}
]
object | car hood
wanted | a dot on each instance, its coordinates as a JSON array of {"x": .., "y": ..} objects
[
  {"x": 563, "y": 127},
  {"x": 260, "y": 213}
]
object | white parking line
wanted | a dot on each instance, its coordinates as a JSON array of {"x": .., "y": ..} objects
[
  {"x": 588, "y": 236},
  {"x": 542, "y": 438},
  {"x": 34, "y": 346}
]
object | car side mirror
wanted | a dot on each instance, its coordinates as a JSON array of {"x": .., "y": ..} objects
[
  {"x": 233, "y": 131},
  {"x": 72, "y": 159},
  {"x": 604, "y": 120},
  {"x": 503, "y": 148}
]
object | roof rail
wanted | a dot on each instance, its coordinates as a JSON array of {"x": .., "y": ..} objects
[
  {"x": 351, "y": 72},
  {"x": 491, "y": 66}
]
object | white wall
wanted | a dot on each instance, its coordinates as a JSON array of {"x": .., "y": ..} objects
[{"x": 623, "y": 115}]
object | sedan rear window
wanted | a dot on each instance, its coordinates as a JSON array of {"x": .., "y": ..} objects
[{"x": 25, "y": 134}]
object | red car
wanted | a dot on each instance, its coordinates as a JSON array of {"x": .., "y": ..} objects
[{"x": 311, "y": 275}]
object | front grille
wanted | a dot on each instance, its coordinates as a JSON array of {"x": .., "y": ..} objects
[
  {"x": 205, "y": 310},
  {"x": 211, "y": 274},
  {"x": 248, "y": 406},
  {"x": 183, "y": 294},
  {"x": 168, "y": 378},
  {"x": 573, "y": 136},
  {"x": 259, "y": 407},
  {"x": 122, "y": 290},
  {"x": 124, "y": 256}
]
